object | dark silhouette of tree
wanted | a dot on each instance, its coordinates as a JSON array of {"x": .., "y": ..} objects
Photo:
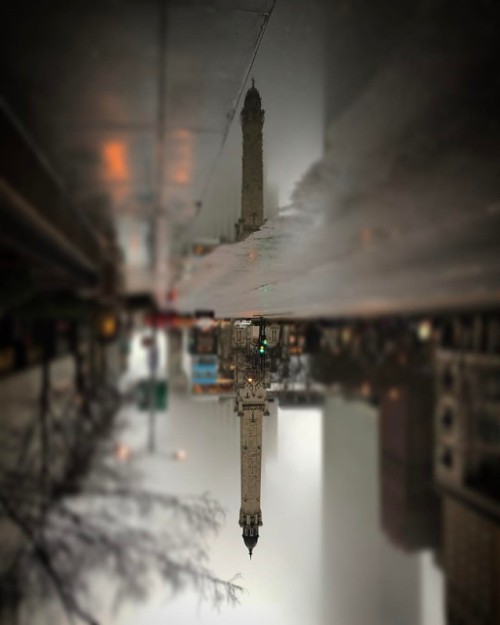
[
  {"x": 92, "y": 515},
  {"x": 116, "y": 530}
]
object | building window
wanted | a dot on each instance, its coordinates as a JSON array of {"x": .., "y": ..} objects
[
  {"x": 448, "y": 380},
  {"x": 447, "y": 458},
  {"x": 448, "y": 418}
]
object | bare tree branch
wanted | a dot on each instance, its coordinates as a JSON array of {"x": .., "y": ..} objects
[{"x": 96, "y": 517}]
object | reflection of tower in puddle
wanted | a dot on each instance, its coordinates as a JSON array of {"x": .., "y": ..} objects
[
  {"x": 252, "y": 198},
  {"x": 251, "y": 400}
]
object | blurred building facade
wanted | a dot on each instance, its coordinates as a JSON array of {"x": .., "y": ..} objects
[
  {"x": 467, "y": 467},
  {"x": 467, "y": 420},
  {"x": 472, "y": 565},
  {"x": 409, "y": 503}
]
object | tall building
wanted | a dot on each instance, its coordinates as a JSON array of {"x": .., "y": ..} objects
[
  {"x": 251, "y": 383},
  {"x": 252, "y": 187},
  {"x": 472, "y": 565},
  {"x": 467, "y": 470},
  {"x": 467, "y": 421},
  {"x": 252, "y": 405},
  {"x": 409, "y": 506}
]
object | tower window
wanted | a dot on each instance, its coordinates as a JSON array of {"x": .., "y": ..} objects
[
  {"x": 448, "y": 380},
  {"x": 447, "y": 418},
  {"x": 447, "y": 458}
]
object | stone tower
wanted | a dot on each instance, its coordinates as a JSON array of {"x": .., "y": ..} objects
[
  {"x": 251, "y": 382},
  {"x": 252, "y": 187},
  {"x": 252, "y": 404}
]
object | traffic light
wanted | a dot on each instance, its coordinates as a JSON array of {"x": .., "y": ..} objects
[{"x": 262, "y": 347}]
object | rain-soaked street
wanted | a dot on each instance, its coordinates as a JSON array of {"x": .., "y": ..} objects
[{"x": 250, "y": 312}]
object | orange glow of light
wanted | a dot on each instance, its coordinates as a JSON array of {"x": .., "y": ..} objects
[
  {"x": 180, "y": 176},
  {"x": 366, "y": 389},
  {"x": 108, "y": 326},
  {"x": 115, "y": 161},
  {"x": 180, "y": 455},
  {"x": 394, "y": 394},
  {"x": 122, "y": 452}
]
